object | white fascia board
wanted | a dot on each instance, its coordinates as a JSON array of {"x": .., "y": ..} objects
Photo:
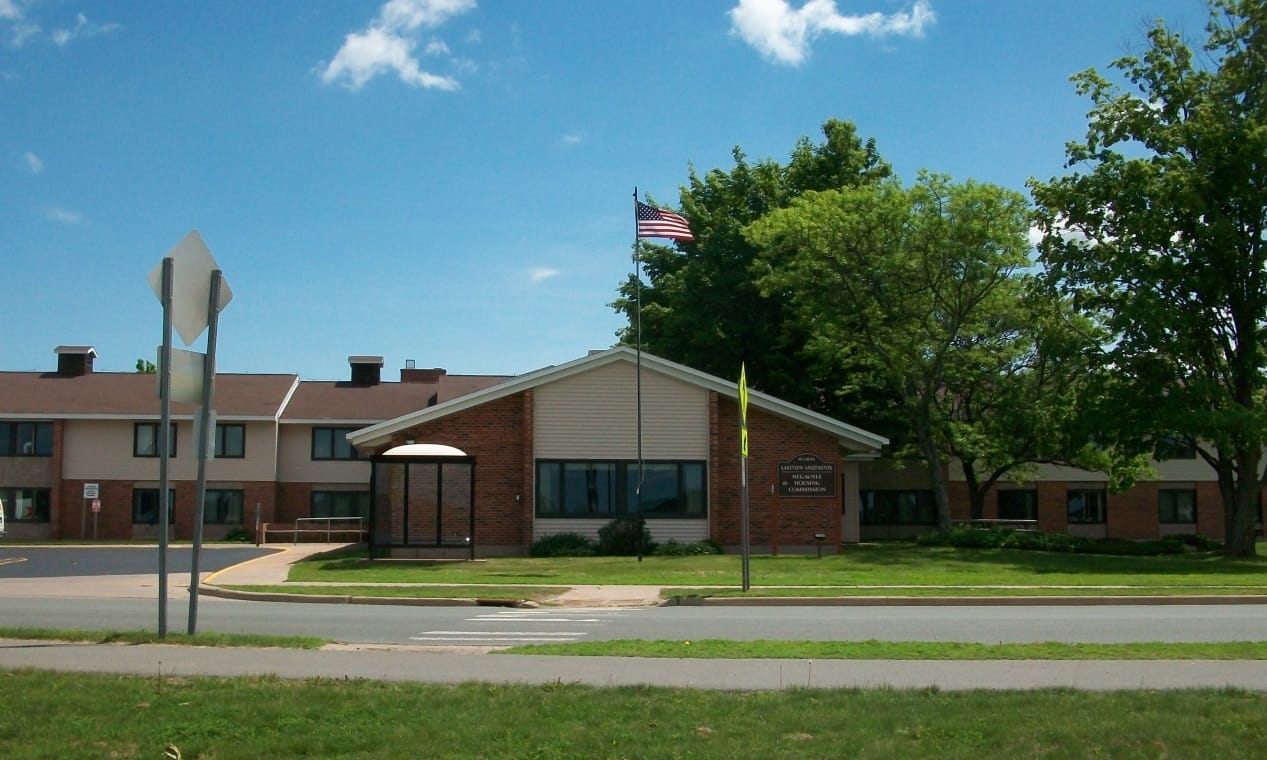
[{"x": 383, "y": 431}]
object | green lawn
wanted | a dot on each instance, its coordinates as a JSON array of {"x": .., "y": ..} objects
[
  {"x": 59, "y": 715},
  {"x": 876, "y": 566}
]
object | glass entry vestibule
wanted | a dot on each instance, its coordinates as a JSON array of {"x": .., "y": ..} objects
[{"x": 422, "y": 496}]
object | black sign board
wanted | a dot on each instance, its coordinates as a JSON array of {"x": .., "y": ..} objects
[{"x": 807, "y": 476}]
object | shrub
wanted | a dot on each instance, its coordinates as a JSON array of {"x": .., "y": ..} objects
[
  {"x": 620, "y": 537},
  {"x": 674, "y": 548},
  {"x": 562, "y": 545},
  {"x": 239, "y": 535},
  {"x": 978, "y": 538}
]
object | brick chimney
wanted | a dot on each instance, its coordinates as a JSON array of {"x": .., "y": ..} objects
[
  {"x": 75, "y": 361},
  {"x": 416, "y": 375},
  {"x": 366, "y": 370}
]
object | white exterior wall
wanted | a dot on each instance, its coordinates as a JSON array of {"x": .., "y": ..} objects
[
  {"x": 296, "y": 465},
  {"x": 594, "y": 416},
  {"x": 102, "y": 450}
]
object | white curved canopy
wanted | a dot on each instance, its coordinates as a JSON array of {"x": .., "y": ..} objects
[{"x": 424, "y": 450}]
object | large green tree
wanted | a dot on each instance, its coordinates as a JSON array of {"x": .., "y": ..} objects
[
  {"x": 1160, "y": 234},
  {"x": 701, "y": 305},
  {"x": 926, "y": 285}
]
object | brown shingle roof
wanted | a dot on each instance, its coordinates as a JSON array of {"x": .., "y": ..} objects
[
  {"x": 129, "y": 394},
  {"x": 315, "y": 400}
]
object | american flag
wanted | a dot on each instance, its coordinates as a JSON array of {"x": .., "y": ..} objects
[{"x": 658, "y": 223}]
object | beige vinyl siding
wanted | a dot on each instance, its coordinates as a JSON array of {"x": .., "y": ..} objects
[
  {"x": 102, "y": 449},
  {"x": 593, "y": 415},
  {"x": 296, "y": 465},
  {"x": 662, "y": 531}
]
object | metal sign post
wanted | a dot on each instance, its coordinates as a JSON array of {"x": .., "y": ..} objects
[{"x": 202, "y": 295}]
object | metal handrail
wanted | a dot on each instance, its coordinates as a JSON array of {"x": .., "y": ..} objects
[{"x": 295, "y": 530}]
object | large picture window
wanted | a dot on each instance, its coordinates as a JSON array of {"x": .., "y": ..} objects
[
  {"x": 25, "y": 505},
  {"x": 230, "y": 441},
  {"x": 1177, "y": 505},
  {"x": 611, "y": 489},
  {"x": 897, "y": 507},
  {"x": 145, "y": 506},
  {"x": 26, "y": 439},
  {"x": 145, "y": 439},
  {"x": 332, "y": 443},
  {"x": 1018, "y": 504},
  {"x": 1086, "y": 505},
  {"x": 341, "y": 504}
]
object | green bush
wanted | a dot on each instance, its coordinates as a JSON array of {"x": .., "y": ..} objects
[
  {"x": 1003, "y": 538},
  {"x": 239, "y": 535},
  {"x": 674, "y": 548},
  {"x": 620, "y": 538},
  {"x": 562, "y": 545}
]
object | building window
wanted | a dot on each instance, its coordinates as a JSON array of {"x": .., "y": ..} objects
[
  {"x": 223, "y": 507},
  {"x": 1175, "y": 447},
  {"x": 611, "y": 489},
  {"x": 893, "y": 507},
  {"x": 332, "y": 443},
  {"x": 26, "y": 439},
  {"x": 341, "y": 504},
  {"x": 1177, "y": 505},
  {"x": 145, "y": 506},
  {"x": 145, "y": 439},
  {"x": 1018, "y": 504},
  {"x": 230, "y": 441},
  {"x": 25, "y": 505},
  {"x": 1086, "y": 505}
]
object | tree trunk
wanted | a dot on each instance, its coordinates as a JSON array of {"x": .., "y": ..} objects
[
  {"x": 1240, "y": 503},
  {"x": 976, "y": 494},
  {"x": 935, "y": 475}
]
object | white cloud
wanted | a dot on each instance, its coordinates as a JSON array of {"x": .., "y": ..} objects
[
  {"x": 22, "y": 29},
  {"x": 34, "y": 163},
  {"x": 388, "y": 45},
  {"x": 62, "y": 216},
  {"x": 540, "y": 274},
  {"x": 82, "y": 29},
  {"x": 784, "y": 34},
  {"x": 573, "y": 138}
]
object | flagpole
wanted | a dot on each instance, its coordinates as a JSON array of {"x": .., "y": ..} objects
[{"x": 638, "y": 371}]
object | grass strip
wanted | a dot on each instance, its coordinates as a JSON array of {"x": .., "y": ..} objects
[
  {"x": 899, "y": 650},
  {"x": 136, "y": 717},
  {"x": 892, "y": 564},
  {"x": 151, "y": 637}
]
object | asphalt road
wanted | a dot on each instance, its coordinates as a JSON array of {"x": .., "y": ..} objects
[
  {"x": 81, "y": 561},
  {"x": 402, "y": 628}
]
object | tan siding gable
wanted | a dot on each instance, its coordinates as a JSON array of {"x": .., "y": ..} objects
[
  {"x": 593, "y": 415},
  {"x": 102, "y": 450}
]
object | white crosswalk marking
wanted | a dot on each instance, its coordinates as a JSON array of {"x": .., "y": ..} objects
[{"x": 525, "y": 626}]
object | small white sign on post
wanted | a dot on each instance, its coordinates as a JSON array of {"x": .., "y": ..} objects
[{"x": 92, "y": 490}]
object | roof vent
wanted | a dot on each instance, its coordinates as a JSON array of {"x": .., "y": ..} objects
[
  {"x": 75, "y": 361},
  {"x": 366, "y": 370}
]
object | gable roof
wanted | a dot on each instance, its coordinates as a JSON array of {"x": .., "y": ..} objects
[
  {"x": 852, "y": 438},
  {"x": 105, "y": 395},
  {"x": 322, "y": 401}
]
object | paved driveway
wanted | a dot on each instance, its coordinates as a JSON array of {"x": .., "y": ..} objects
[{"x": 118, "y": 571}]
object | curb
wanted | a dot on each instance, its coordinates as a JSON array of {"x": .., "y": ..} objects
[
  {"x": 957, "y": 601},
  {"x": 756, "y": 601},
  {"x": 407, "y": 601}
]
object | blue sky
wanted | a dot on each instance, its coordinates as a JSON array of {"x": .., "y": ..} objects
[{"x": 450, "y": 181}]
